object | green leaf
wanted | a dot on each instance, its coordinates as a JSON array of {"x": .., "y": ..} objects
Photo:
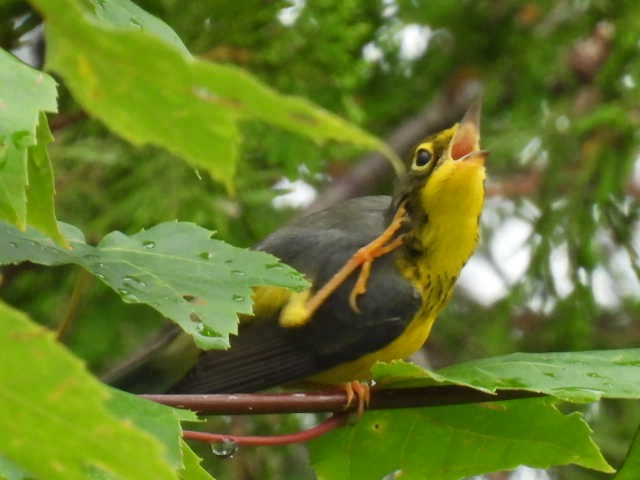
[
  {"x": 24, "y": 94},
  {"x": 160, "y": 95},
  {"x": 159, "y": 420},
  {"x": 631, "y": 466},
  {"x": 449, "y": 443},
  {"x": 127, "y": 15},
  {"x": 192, "y": 468},
  {"x": 53, "y": 421},
  {"x": 40, "y": 192},
  {"x": 175, "y": 267},
  {"x": 571, "y": 376}
]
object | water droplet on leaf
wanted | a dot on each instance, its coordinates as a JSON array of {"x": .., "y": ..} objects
[
  {"x": 238, "y": 273},
  {"x": 127, "y": 296},
  {"x": 133, "y": 282},
  {"x": 238, "y": 298},
  {"x": 149, "y": 244},
  {"x": 226, "y": 448},
  {"x": 206, "y": 255},
  {"x": 13, "y": 244}
]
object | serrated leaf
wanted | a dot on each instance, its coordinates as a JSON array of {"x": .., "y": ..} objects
[
  {"x": 192, "y": 468},
  {"x": 26, "y": 174},
  {"x": 40, "y": 192},
  {"x": 158, "y": 94},
  {"x": 175, "y": 267},
  {"x": 571, "y": 376},
  {"x": 450, "y": 443},
  {"x": 53, "y": 421}
]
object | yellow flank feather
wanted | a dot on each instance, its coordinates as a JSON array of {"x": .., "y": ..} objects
[
  {"x": 267, "y": 302},
  {"x": 445, "y": 238}
]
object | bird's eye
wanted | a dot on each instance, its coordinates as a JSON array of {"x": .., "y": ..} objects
[{"x": 423, "y": 157}]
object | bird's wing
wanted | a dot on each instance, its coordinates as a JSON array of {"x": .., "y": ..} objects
[{"x": 265, "y": 354}]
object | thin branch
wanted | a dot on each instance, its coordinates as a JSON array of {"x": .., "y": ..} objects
[
  {"x": 81, "y": 285},
  {"x": 333, "y": 422},
  {"x": 334, "y": 400}
]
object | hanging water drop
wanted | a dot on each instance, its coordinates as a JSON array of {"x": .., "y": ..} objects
[{"x": 226, "y": 448}]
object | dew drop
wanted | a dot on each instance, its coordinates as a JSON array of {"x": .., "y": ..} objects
[
  {"x": 149, "y": 244},
  {"x": 206, "y": 255},
  {"x": 127, "y": 296},
  {"x": 238, "y": 273},
  {"x": 136, "y": 23},
  {"x": 100, "y": 276},
  {"x": 275, "y": 266},
  {"x": 133, "y": 282},
  {"x": 238, "y": 298},
  {"x": 13, "y": 244},
  {"x": 226, "y": 448}
]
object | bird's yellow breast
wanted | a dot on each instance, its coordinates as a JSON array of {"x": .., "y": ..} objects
[{"x": 453, "y": 201}]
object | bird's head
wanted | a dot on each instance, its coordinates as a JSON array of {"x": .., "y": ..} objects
[{"x": 446, "y": 174}]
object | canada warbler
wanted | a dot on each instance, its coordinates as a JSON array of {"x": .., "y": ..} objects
[{"x": 381, "y": 269}]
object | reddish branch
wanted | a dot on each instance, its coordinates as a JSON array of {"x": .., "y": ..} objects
[
  {"x": 323, "y": 401},
  {"x": 333, "y": 422},
  {"x": 333, "y": 400}
]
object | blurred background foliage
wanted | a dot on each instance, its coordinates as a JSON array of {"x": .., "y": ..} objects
[{"x": 557, "y": 268}]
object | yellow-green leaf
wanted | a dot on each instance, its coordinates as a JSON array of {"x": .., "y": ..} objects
[
  {"x": 148, "y": 89},
  {"x": 53, "y": 420}
]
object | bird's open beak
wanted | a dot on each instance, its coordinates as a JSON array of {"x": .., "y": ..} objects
[{"x": 465, "y": 144}]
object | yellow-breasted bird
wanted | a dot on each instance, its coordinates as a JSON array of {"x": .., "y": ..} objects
[{"x": 381, "y": 269}]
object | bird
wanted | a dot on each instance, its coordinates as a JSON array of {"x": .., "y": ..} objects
[{"x": 381, "y": 269}]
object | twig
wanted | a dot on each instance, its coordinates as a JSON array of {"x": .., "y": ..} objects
[
  {"x": 333, "y": 422},
  {"x": 63, "y": 120},
  {"x": 82, "y": 283},
  {"x": 334, "y": 400}
]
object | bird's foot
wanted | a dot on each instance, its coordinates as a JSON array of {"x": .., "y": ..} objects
[
  {"x": 364, "y": 258},
  {"x": 360, "y": 392}
]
